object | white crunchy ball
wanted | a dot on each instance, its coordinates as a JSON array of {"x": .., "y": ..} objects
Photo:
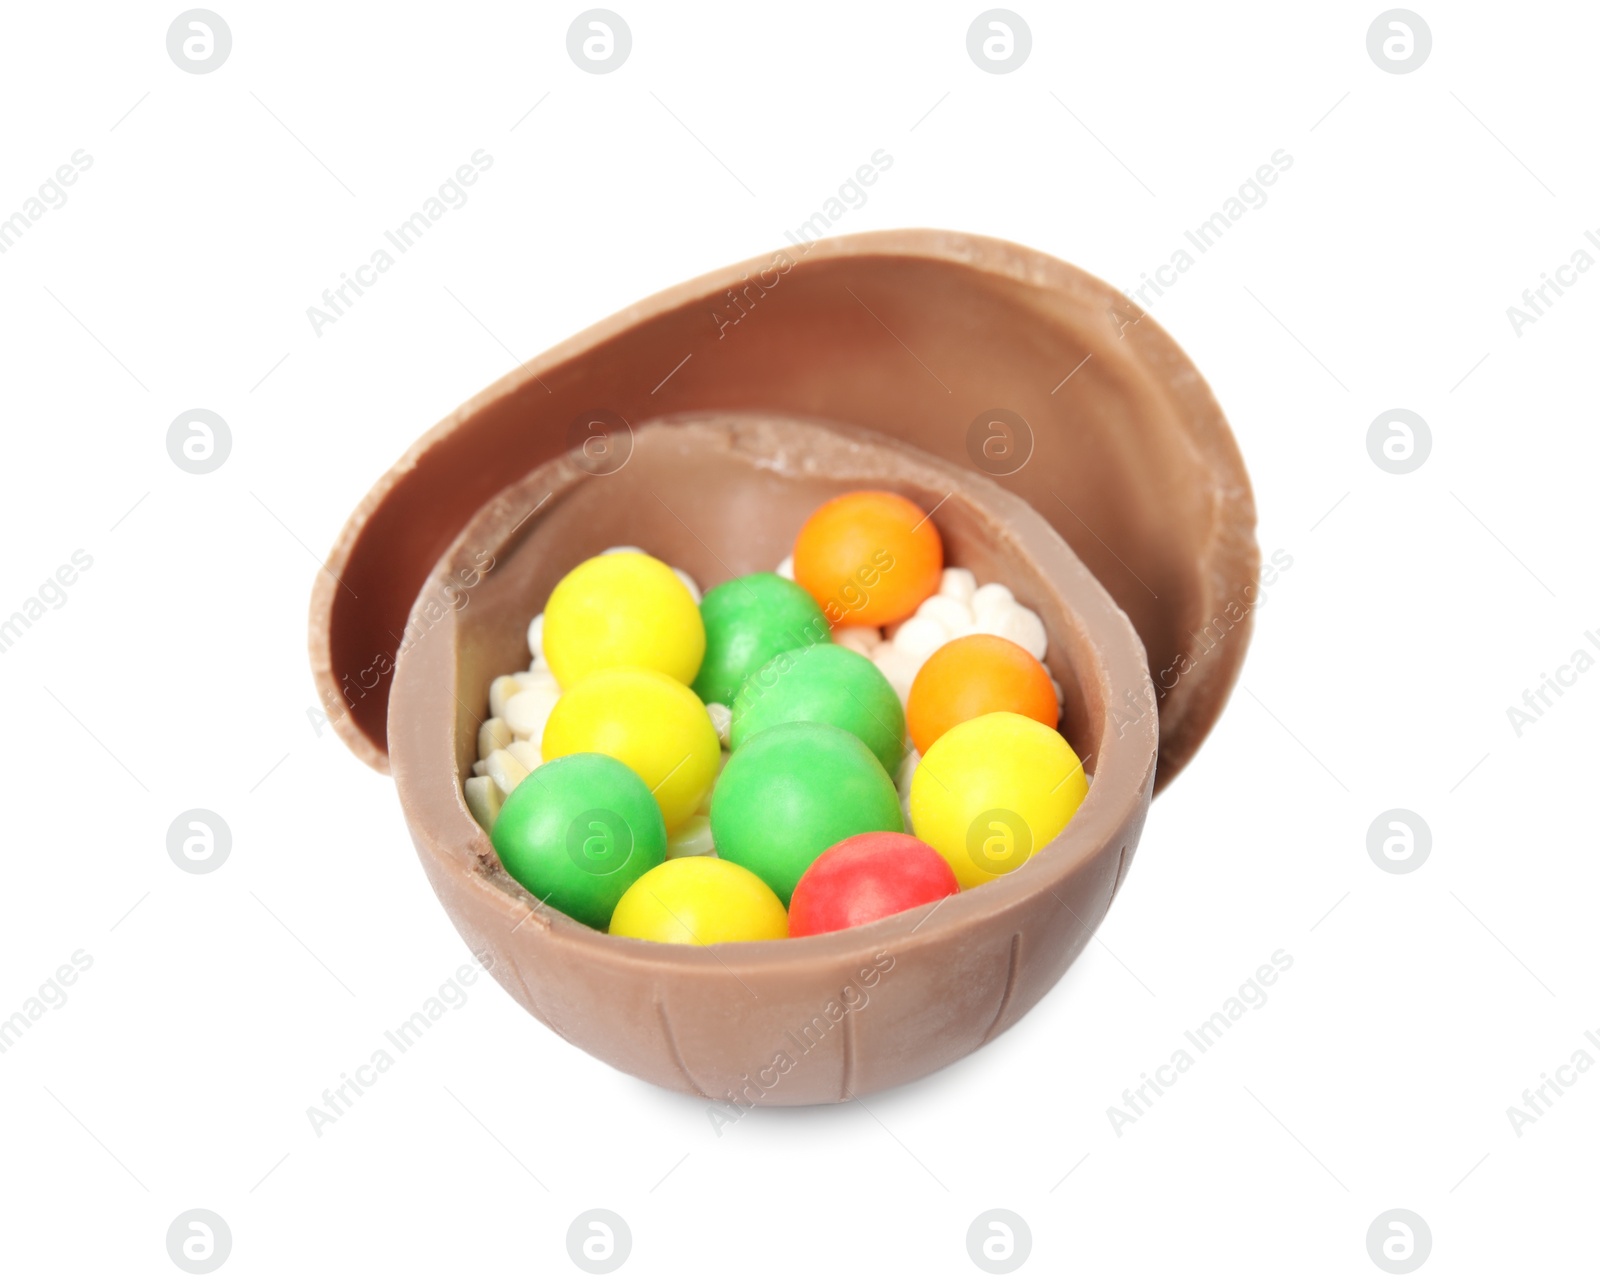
[
  {"x": 722, "y": 720},
  {"x": 526, "y": 752},
  {"x": 500, "y": 691},
  {"x": 528, "y": 711},
  {"x": 484, "y": 800},
  {"x": 919, "y": 638},
  {"x": 858, "y": 638},
  {"x": 493, "y": 734},
  {"x": 786, "y": 567},
  {"x": 958, "y": 584},
  {"x": 1020, "y": 625},
  {"x": 898, "y": 667},
  {"x": 692, "y": 838},
  {"x": 622, "y": 548},
  {"x": 688, "y": 583},
  {"x": 536, "y": 637},
  {"x": 947, "y": 612},
  {"x": 988, "y": 601}
]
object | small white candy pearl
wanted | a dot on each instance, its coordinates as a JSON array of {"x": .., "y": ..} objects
[
  {"x": 505, "y": 771},
  {"x": 989, "y": 601},
  {"x": 786, "y": 568},
  {"x": 897, "y": 666},
  {"x": 859, "y": 639},
  {"x": 947, "y": 612},
  {"x": 722, "y": 720},
  {"x": 622, "y": 548},
  {"x": 692, "y": 838},
  {"x": 500, "y": 691},
  {"x": 958, "y": 584},
  {"x": 1020, "y": 625},
  {"x": 526, "y": 752},
  {"x": 493, "y": 734},
  {"x": 919, "y": 637},
  {"x": 536, "y": 636},
  {"x": 484, "y": 800},
  {"x": 528, "y": 711},
  {"x": 688, "y": 583}
]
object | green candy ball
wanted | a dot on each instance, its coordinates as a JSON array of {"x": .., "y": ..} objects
[
  {"x": 792, "y": 792},
  {"x": 830, "y": 684},
  {"x": 748, "y": 621},
  {"x": 577, "y": 832}
]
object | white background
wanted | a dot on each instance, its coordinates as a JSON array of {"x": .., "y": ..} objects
[{"x": 1418, "y": 607}]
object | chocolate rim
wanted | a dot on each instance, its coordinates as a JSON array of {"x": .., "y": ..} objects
[
  {"x": 1032, "y": 922},
  {"x": 1207, "y": 556}
]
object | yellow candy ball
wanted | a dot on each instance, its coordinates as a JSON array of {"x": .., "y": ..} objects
[
  {"x": 992, "y": 791},
  {"x": 649, "y": 721},
  {"x": 700, "y": 900},
  {"x": 622, "y": 609}
]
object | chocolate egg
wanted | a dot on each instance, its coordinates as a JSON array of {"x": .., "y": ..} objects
[{"x": 1068, "y": 449}]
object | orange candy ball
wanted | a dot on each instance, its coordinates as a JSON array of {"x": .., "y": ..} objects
[
  {"x": 869, "y": 557},
  {"x": 972, "y": 676}
]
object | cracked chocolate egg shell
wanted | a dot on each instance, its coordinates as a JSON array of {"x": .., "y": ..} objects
[
  {"x": 995, "y": 357},
  {"x": 721, "y": 496},
  {"x": 1072, "y": 452}
]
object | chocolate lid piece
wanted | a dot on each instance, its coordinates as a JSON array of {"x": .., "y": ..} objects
[{"x": 995, "y": 357}]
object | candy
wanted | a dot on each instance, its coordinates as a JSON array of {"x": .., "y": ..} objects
[
  {"x": 653, "y": 723},
  {"x": 700, "y": 900},
  {"x": 621, "y": 609},
  {"x": 865, "y": 878},
  {"x": 578, "y": 832},
  {"x": 484, "y": 800},
  {"x": 747, "y": 622},
  {"x": 869, "y": 558},
  {"x": 992, "y": 791},
  {"x": 830, "y": 684},
  {"x": 974, "y": 675},
  {"x": 793, "y": 791}
]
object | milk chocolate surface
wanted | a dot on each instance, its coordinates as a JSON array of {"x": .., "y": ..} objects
[
  {"x": 803, "y": 1021},
  {"x": 912, "y": 334}
]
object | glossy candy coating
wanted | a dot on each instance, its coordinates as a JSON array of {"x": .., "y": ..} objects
[
  {"x": 577, "y": 832},
  {"x": 793, "y": 791},
  {"x": 830, "y": 684},
  {"x": 653, "y": 723},
  {"x": 700, "y": 900},
  {"x": 622, "y": 609},
  {"x": 973, "y": 675},
  {"x": 747, "y": 622},
  {"x": 869, "y": 557},
  {"x": 865, "y": 878},
  {"x": 991, "y": 792}
]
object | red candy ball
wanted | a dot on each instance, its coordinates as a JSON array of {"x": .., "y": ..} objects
[{"x": 865, "y": 878}]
